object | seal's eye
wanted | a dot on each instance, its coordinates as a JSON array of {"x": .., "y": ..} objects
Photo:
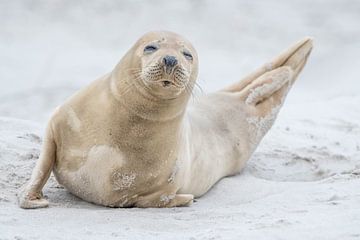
[
  {"x": 150, "y": 49},
  {"x": 188, "y": 55}
]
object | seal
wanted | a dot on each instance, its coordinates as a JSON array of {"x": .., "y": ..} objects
[{"x": 133, "y": 139}]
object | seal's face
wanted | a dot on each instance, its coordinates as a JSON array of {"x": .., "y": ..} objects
[{"x": 168, "y": 64}]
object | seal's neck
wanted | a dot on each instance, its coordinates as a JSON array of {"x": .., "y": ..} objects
[{"x": 139, "y": 101}]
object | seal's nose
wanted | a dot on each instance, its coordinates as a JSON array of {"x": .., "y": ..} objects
[{"x": 170, "y": 61}]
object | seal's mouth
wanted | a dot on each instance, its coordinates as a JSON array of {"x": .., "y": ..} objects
[
  {"x": 167, "y": 83},
  {"x": 168, "y": 80}
]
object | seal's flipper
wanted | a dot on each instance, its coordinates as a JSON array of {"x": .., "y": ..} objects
[
  {"x": 295, "y": 57},
  {"x": 295, "y": 64},
  {"x": 159, "y": 199},
  {"x": 28, "y": 200},
  {"x": 30, "y": 196},
  {"x": 264, "y": 87}
]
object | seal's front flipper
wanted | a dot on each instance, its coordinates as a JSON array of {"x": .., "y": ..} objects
[
  {"x": 30, "y": 196},
  {"x": 163, "y": 200},
  {"x": 182, "y": 200},
  {"x": 31, "y": 200}
]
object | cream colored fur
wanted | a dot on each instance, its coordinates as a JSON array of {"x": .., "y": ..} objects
[{"x": 129, "y": 140}]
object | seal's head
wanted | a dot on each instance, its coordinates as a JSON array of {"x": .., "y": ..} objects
[{"x": 163, "y": 63}]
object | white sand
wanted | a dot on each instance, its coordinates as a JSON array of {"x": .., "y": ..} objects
[{"x": 303, "y": 182}]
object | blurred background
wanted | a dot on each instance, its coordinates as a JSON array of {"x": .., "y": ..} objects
[{"x": 49, "y": 49}]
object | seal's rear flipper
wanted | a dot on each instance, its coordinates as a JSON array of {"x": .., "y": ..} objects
[
  {"x": 264, "y": 87},
  {"x": 294, "y": 57},
  {"x": 267, "y": 87}
]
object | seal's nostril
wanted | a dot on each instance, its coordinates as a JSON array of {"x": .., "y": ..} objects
[{"x": 170, "y": 61}]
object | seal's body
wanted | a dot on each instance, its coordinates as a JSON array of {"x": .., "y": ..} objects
[
  {"x": 129, "y": 139},
  {"x": 115, "y": 157}
]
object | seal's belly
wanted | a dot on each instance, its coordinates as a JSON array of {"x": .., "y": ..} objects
[{"x": 101, "y": 176}]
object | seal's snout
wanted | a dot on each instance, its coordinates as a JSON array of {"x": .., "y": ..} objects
[{"x": 169, "y": 62}]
